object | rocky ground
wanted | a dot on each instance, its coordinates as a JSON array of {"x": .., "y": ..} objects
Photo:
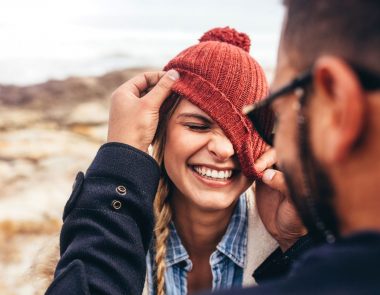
[{"x": 48, "y": 132}]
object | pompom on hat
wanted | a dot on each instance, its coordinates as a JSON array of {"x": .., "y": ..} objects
[{"x": 220, "y": 77}]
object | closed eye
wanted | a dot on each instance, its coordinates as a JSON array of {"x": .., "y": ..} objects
[{"x": 197, "y": 127}]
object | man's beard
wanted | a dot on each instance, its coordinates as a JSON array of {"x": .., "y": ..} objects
[{"x": 312, "y": 191}]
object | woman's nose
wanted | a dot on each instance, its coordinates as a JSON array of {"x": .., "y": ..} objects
[{"x": 221, "y": 147}]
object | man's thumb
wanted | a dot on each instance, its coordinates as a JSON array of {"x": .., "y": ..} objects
[
  {"x": 162, "y": 89},
  {"x": 275, "y": 180}
]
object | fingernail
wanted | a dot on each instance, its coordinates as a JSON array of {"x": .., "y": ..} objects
[
  {"x": 173, "y": 74},
  {"x": 269, "y": 174}
]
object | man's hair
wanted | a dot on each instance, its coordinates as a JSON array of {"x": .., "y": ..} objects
[{"x": 345, "y": 28}]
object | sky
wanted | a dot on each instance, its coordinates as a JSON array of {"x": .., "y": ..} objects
[{"x": 54, "y": 39}]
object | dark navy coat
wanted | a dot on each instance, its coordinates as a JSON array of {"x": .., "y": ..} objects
[{"x": 108, "y": 224}]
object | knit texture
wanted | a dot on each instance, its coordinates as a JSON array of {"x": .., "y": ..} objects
[{"x": 220, "y": 77}]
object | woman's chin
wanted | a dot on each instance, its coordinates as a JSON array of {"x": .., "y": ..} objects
[{"x": 213, "y": 201}]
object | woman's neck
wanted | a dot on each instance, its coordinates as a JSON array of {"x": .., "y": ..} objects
[{"x": 200, "y": 230}]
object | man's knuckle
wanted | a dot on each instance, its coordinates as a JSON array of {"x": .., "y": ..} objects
[{"x": 165, "y": 83}]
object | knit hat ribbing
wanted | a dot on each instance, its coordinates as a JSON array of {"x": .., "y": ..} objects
[{"x": 220, "y": 77}]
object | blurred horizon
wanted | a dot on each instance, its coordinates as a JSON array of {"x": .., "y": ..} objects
[{"x": 43, "y": 40}]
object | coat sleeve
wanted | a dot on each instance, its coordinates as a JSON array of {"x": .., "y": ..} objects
[
  {"x": 108, "y": 224},
  {"x": 279, "y": 263}
]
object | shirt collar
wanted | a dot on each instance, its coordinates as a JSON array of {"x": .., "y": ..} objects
[
  {"x": 175, "y": 251},
  {"x": 233, "y": 244}
]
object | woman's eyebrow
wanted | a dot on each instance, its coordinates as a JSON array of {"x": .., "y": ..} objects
[{"x": 196, "y": 116}]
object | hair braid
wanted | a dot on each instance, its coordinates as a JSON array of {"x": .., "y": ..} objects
[
  {"x": 163, "y": 215},
  {"x": 162, "y": 208}
]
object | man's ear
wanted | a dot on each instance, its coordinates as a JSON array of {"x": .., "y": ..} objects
[{"x": 344, "y": 104}]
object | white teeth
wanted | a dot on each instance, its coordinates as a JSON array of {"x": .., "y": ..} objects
[
  {"x": 213, "y": 173},
  {"x": 203, "y": 172}
]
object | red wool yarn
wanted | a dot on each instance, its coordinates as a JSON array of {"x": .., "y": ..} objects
[
  {"x": 220, "y": 77},
  {"x": 229, "y": 36}
]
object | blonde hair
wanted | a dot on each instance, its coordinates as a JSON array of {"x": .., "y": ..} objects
[
  {"x": 162, "y": 207},
  {"x": 41, "y": 272}
]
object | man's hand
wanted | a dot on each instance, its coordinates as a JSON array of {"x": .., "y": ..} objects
[
  {"x": 134, "y": 111},
  {"x": 274, "y": 205}
]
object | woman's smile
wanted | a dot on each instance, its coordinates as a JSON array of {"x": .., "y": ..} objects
[
  {"x": 210, "y": 181},
  {"x": 209, "y": 172},
  {"x": 212, "y": 176}
]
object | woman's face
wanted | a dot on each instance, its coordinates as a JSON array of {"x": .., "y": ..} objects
[{"x": 200, "y": 160}]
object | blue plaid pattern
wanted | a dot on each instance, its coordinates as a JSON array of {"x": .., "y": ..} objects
[{"x": 227, "y": 261}]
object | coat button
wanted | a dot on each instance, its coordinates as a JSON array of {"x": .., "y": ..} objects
[
  {"x": 121, "y": 190},
  {"x": 116, "y": 204}
]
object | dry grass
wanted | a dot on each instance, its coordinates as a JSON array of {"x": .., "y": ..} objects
[
  {"x": 10, "y": 229},
  {"x": 19, "y": 244}
]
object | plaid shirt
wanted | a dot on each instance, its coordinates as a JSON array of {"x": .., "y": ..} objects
[{"x": 227, "y": 261}]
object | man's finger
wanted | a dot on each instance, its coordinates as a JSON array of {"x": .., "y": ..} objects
[
  {"x": 140, "y": 83},
  {"x": 275, "y": 179},
  {"x": 162, "y": 89},
  {"x": 266, "y": 160}
]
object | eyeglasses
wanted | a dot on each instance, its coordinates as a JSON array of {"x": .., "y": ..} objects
[
  {"x": 260, "y": 112},
  {"x": 257, "y": 112}
]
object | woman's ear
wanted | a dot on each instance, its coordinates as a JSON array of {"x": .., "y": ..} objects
[{"x": 342, "y": 107}]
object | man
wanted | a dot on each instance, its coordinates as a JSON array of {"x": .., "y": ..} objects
[{"x": 326, "y": 96}]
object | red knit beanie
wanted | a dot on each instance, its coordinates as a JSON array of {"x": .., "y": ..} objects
[{"x": 220, "y": 77}]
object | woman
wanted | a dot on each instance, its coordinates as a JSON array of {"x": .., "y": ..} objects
[{"x": 207, "y": 226}]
